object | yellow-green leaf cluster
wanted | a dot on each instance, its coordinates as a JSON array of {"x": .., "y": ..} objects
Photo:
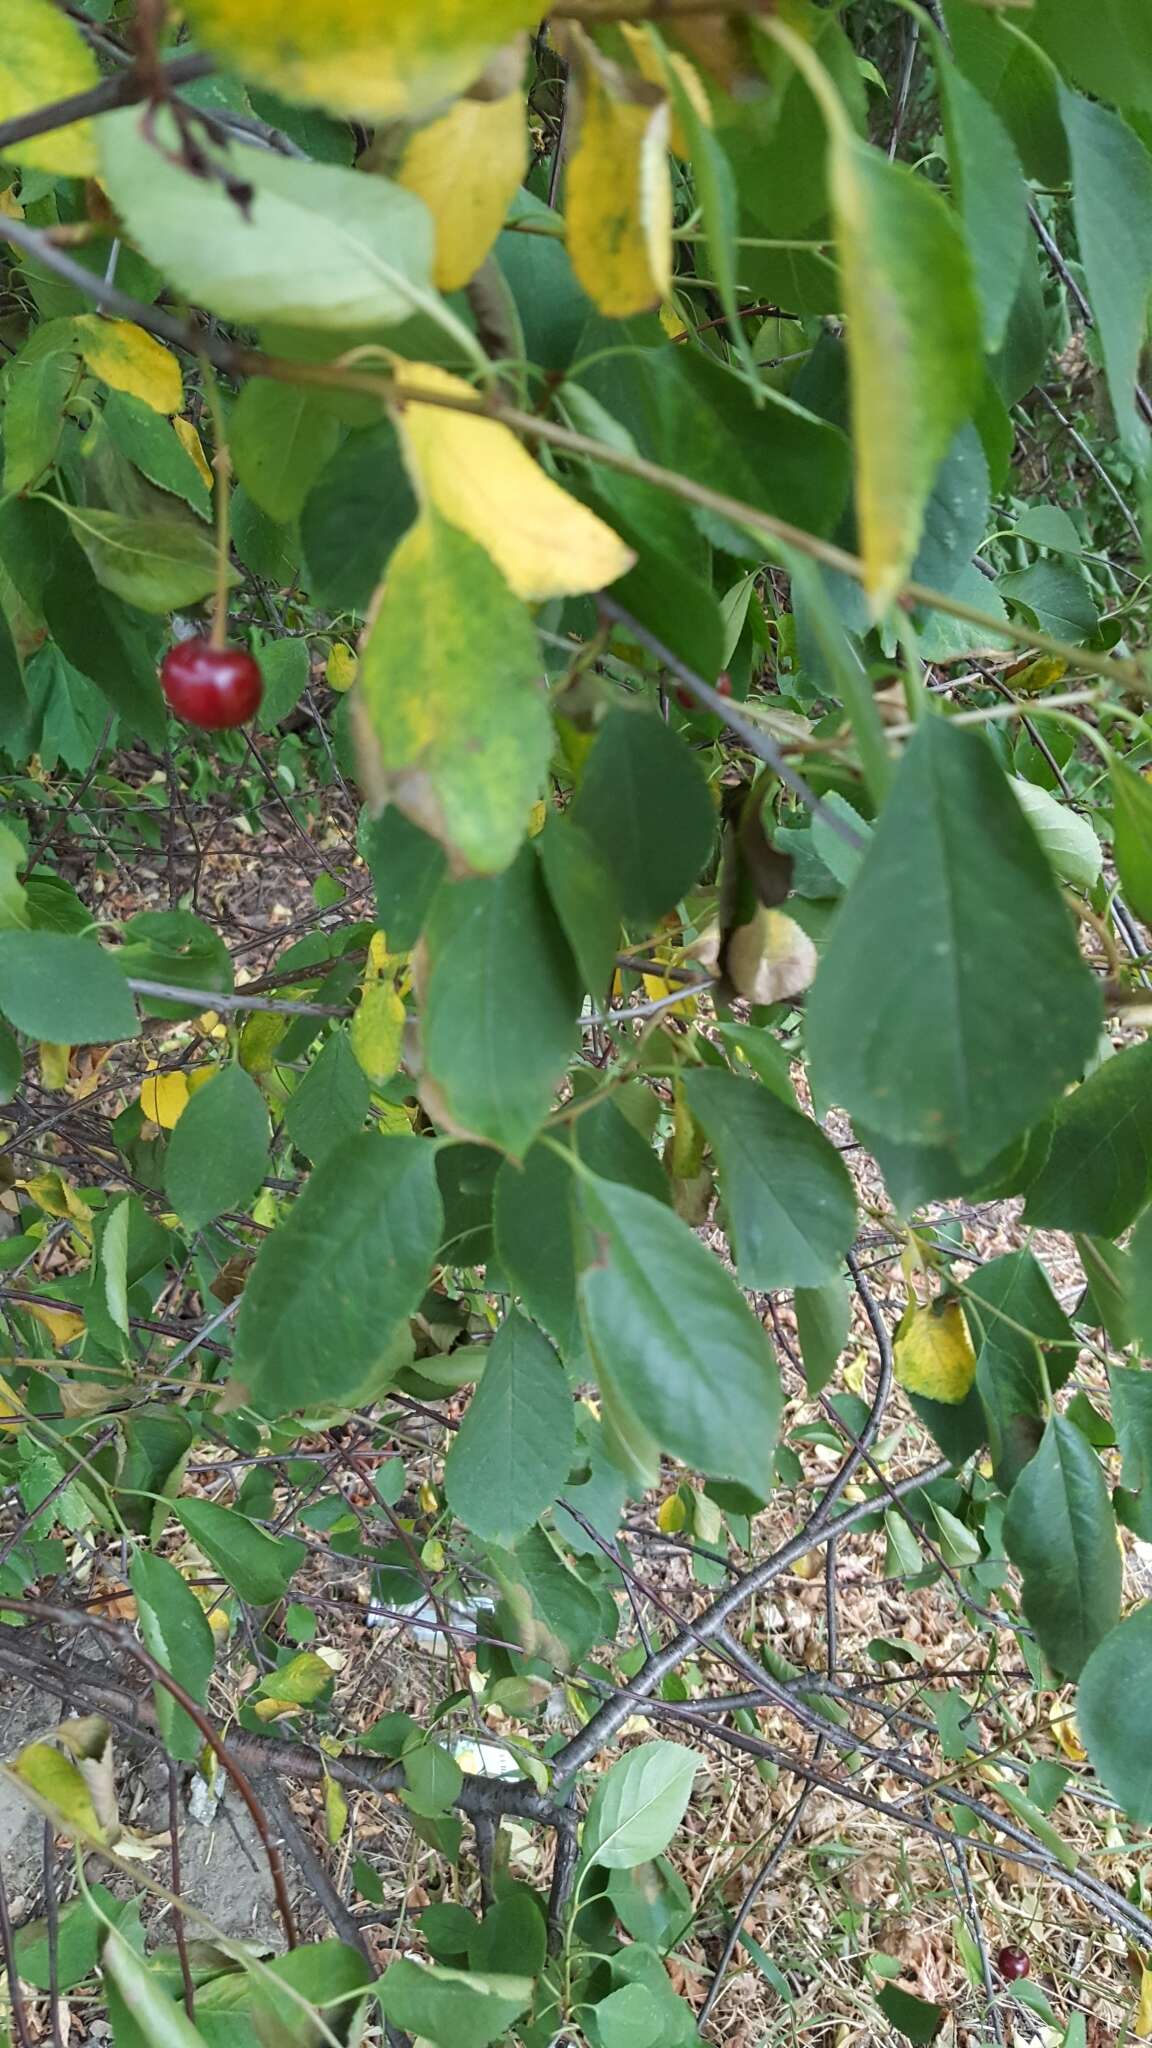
[{"x": 44, "y": 58}]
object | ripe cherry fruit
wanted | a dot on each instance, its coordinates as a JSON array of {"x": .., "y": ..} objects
[
  {"x": 1012, "y": 1963},
  {"x": 211, "y": 687},
  {"x": 723, "y": 689}
]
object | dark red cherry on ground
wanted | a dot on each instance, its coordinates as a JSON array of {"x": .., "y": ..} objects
[
  {"x": 1012, "y": 1963},
  {"x": 211, "y": 687}
]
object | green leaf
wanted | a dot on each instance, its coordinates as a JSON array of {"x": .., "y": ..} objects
[
  {"x": 75, "y": 1940},
  {"x": 789, "y": 1199},
  {"x": 1059, "y": 1530},
  {"x": 1017, "y": 81},
  {"x": 652, "y": 1901},
  {"x": 1057, "y": 594},
  {"x": 1108, "y": 52},
  {"x": 159, "y": 564},
  {"x": 556, "y": 1615},
  {"x": 990, "y": 194},
  {"x": 314, "y": 246},
  {"x": 1098, "y": 1172},
  {"x": 647, "y": 810},
  {"x": 175, "y": 1629},
  {"x": 626, "y": 2019},
  {"x": 407, "y": 868},
  {"x": 160, "y": 2019},
  {"x": 432, "y": 1778},
  {"x": 1131, "y": 1389},
  {"x": 511, "y": 1454},
  {"x": 331, "y": 1101},
  {"x": 1112, "y": 208},
  {"x": 1140, "y": 1284},
  {"x": 916, "y": 2018},
  {"x": 36, "y": 386},
  {"x": 152, "y": 446},
  {"x": 985, "y": 1010},
  {"x": 915, "y": 350},
  {"x": 336, "y": 1279},
  {"x": 105, "y": 642},
  {"x": 218, "y": 1152},
  {"x": 286, "y": 669},
  {"x": 673, "y": 1337},
  {"x": 718, "y": 202},
  {"x": 13, "y": 904},
  {"x": 513, "y": 1932},
  {"x": 823, "y": 1319},
  {"x": 1112, "y": 1713},
  {"x": 174, "y": 946},
  {"x": 583, "y": 892},
  {"x": 1132, "y": 825},
  {"x": 639, "y": 1804},
  {"x": 449, "y": 683},
  {"x": 492, "y": 1063},
  {"x": 955, "y": 521},
  {"x": 281, "y": 436},
  {"x": 1014, "y": 1317},
  {"x": 452, "y": 2008},
  {"x": 11, "y": 1064},
  {"x": 259, "y": 1567},
  {"x": 64, "y": 990},
  {"x": 1068, "y": 840},
  {"x": 354, "y": 516}
]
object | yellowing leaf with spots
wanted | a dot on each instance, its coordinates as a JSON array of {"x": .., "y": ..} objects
[
  {"x": 62, "y": 1324},
  {"x": 933, "y": 1351},
  {"x": 58, "y": 1784},
  {"x": 671, "y": 1515},
  {"x": 618, "y": 192},
  {"x": 357, "y": 57},
  {"x": 377, "y": 1031},
  {"x": 11, "y": 1406},
  {"x": 477, "y": 475},
  {"x": 44, "y": 58},
  {"x": 57, "y": 1197},
  {"x": 659, "y": 65},
  {"x": 190, "y": 440},
  {"x": 54, "y": 1061},
  {"x": 164, "y": 1098},
  {"x": 467, "y": 166},
  {"x": 122, "y": 355},
  {"x": 451, "y": 725}
]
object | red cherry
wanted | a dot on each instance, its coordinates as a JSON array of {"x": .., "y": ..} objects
[
  {"x": 723, "y": 684},
  {"x": 1012, "y": 1963},
  {"x": 686, "y": 699},
  {"x": 211, "y": 687}
]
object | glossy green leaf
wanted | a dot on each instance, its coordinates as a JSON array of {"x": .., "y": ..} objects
[
  {"x": 647, "y": 810},
  {"x": 823, "y": 1320},
  {"x": 990, "y": 193},
  {"x": 407, "y": 868},
  {"x": 1016, "y": 79},
  {"x": 106, "y": 643},
  {"x": 452, "y": 2008},
  {"x": 281, "y": 436},
  {"x": 638, "y": 1805},
  {"x": 151, "y": 444},
  {"x": 1112, "y": 208},
  {"x": 1132, "y": 825},
  {"x": 36, "y": 385},
  {"x": 158, "y": 2017},
  {"x": 354, "y": 515},
  {"x": 1107, "y": 51},
  {"x": 337, "y": 1278},
  {"x": 1068, "y": 839},
  {"x": 218, "y": 1152},
  {"x": 1112, "y": 1713},
  {"x": 673, "y": 1338},
  {"x": 583, "y": 891},
  {"x": 1024, "y": 1345},
  {"x": 511, "y": 1454},
  {"x": 1059, "y": 1530},
  {"x": 1140, "y": 1284},
  {"x": 157, "y": 564},
  {"x": 175, "y": 1629},
  {"x": 459, "y": 734},
  {"x": 314, "y": 246},
  {"x": 491, "y": 1064},
  {"x": 789, "y": 1199},
  {"x": 1131, "y": 1390},
  {"x": 432, "y": 1778},
  {"x": 330, "y": 1102},
  {"x": 918, "y": 2019},
  {"x": 257, "y": 1566},
  {"x": 64, "y": 989},
  {"x": 1098, "y": 1172},
  {"x": 924, "y": 1054}
]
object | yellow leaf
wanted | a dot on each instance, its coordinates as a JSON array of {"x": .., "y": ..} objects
[
  {"x": 43, "y": 58},
  {"x": 340, "y": 668},
  {"x": 671, "y": 1514},
  {"x": 1062, "y": 1722},
  {"x": 164, "y": 1098},
  {"x": 1036, "y": 674},
  {"x": 335, "y": 1810},
  {"x": 356, "y": 57},
  {"x": 618, "y": 196},
  {"x": 655, "y": 62},
  {"x": 1142, "y": 2018},
  {"x": 188, "y": 437},
  {"x": 479, "y": 478},
  {"x": 377, "y": 1031},
  {"x": 933, "y": 1351},
  {"x": 427, "y": 1498},
  {"x": 57, "y": 1197},
  {"x": 394, "y": 1120},
  {"x": 54, "y": 1065},
  {"x": 11, "y": 1406},
  {"x": 10, "y": 204},
  {"x": 124, "y": 356},
  {"x": 62, "y": 1324},
  {"x": 60, "y": 1785},
  {"x": 260, "y": 1035},
  {"x": 656, "y": 988},
  {"x": 537, "y": 819},
  {"x": 200, "y": 1077},
  {"x": 467, "y": 166}
]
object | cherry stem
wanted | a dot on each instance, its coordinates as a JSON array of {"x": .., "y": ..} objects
[{"x": 222, "y": 466}]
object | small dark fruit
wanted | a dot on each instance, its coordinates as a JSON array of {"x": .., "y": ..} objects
[
  {"x": 211, "y": 687},
  {"x": 723, "y": 689},
  {"x": 1012, "y": 1963}
]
